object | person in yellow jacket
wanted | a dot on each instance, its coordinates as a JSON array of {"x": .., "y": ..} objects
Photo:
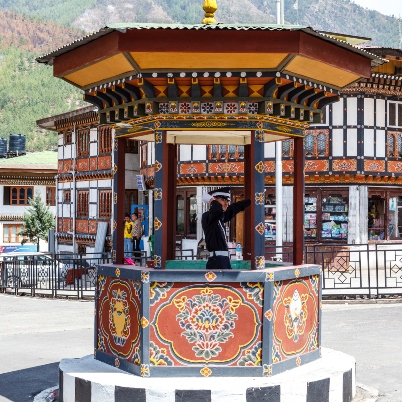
[{"x": 128, "y": 242}]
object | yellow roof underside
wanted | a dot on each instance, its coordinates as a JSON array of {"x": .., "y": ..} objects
[
  {"x": 103, "y": 70},
  {"x": 319, "y": 71}
]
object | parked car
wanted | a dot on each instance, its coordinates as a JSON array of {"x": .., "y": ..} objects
[{"x": 27, "y": 269}]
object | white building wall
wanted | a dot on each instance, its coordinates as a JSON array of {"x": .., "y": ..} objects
[
  {"x": 269, "y": 150},
  {"x": 337, "y": 142},
  {"x": 351, "y": 138},
  {"x": 380, "y": 144},
  {"x": 351, "y": 111},
  {"x": 199, "y": 152},
  {"x": 368, "y": 111},
  {"x": 185, "y": 153},
  {"x": 368, "y": 142},
  {"x": 380, "y": 113},
  {"x": 337, "y": 113}
]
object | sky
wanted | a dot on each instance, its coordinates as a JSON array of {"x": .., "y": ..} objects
[{"x": 387, "y": 7}]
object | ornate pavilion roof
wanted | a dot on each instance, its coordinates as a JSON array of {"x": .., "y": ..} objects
[{"x": 237, "y": 78}]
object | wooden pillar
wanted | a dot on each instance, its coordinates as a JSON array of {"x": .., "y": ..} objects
[
  {"x": 298, "y": 202},
  {"x": 119, "y": 184},
  {"x": 164, "y": 200},
  {"x": 254, "y": 187}
]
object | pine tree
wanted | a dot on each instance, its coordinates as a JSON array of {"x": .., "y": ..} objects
[{"x": 38, "y": 220}]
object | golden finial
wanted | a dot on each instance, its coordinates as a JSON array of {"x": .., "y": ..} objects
[{"x": 209, "y": 7}]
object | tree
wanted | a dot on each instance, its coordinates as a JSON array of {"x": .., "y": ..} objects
[{"x": 38, "y": 220}]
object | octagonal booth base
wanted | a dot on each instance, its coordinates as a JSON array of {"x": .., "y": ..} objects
[{"x": 331, "y": 378}]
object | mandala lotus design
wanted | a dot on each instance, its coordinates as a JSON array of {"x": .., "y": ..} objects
[{"x": 207, "y": 320}]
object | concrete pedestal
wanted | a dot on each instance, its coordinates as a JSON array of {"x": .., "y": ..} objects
[{"x": 329, "y": 379}]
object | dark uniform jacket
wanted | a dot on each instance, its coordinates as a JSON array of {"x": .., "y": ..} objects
[{"x": 214, "y": 235}]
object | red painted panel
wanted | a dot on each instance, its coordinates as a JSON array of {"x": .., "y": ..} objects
[
  {"x": 209, "y": 41},
  {"x": 198, "y": 323},
  {"x": 81, "y": 226},
  {"x": 295, "y": 326},
  {"x": 119, "y": 318},
  {"x": 83, "y": 165},
  {"x": 104, "y": 162},
  {"x": 395, "y": 166}
]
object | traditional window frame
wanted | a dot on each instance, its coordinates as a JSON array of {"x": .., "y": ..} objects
[
  {"x": 189, "y": 231},
  {"x": 83, "y": 141},
  {"x": 51, "y": 196},
  {"x": 315, "y": 143},
  {"x": 68, "y": 137},
  {"x": 10, "y": 236},
  {"x": 225, "y": 152},
  {"x": 20, "y": 195},
  {"x": 105, "y": 139},
  {"x": 394, "y": 114},
  {"x": 83, "y": 203},
  {"x": 394, "y": 144},
  {"x": 105, "y": 203}
]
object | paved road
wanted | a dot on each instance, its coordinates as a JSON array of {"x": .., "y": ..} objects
[
  {"x": 35, "y": 334},
  {"x": 372, "y": 333}
]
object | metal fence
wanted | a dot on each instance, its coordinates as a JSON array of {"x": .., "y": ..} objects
[
  {"x": 51, "y": 275},
  {"x": 366, "y": 270},
  {"x": 351, "y": 270}
]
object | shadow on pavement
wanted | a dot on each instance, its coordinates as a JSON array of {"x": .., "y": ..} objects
[{"x": 23, "y": 385}]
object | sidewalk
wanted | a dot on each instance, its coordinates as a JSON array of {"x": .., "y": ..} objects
[{"x": 35, "y": 334}]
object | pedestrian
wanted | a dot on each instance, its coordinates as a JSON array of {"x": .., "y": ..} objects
[
  {"x": 128, "y": 242},
  {"x": 213, "y": 222},
  {"x": 136, "y": 237}
]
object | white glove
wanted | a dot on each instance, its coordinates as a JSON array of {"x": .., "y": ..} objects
[{"x": 206, "y": 198}]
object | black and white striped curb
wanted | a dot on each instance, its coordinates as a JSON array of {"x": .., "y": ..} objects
[{"x": 329, "y": 379}]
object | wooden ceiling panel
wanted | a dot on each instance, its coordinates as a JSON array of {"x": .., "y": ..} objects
[
  {"x": 320, "y": 72},
  {"x": 103, "y": 70}
]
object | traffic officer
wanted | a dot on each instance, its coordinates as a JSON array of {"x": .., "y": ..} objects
[{"x": 213, "y": 222}]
